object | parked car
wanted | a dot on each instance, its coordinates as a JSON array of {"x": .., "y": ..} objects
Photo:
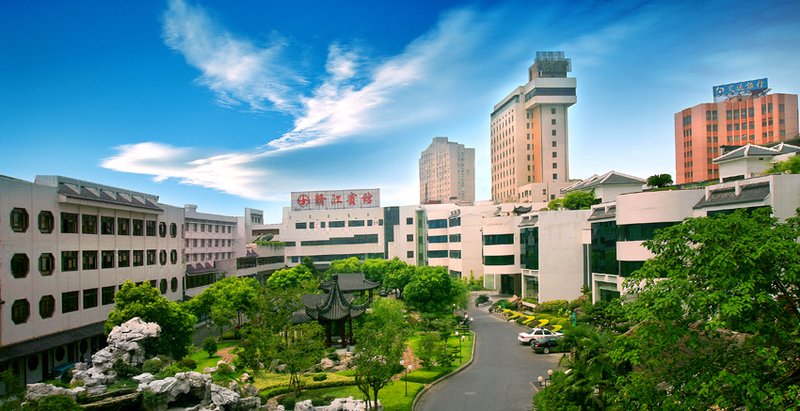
[
  {"x": 383, "y": 293},
  {"x": 536, "y": 334},
  {"x": 545, "y": 345}
]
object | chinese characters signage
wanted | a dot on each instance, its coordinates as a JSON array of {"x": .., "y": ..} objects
[
  {"x": 336, "y": 199},
  {"x": 743, "y": 87}
]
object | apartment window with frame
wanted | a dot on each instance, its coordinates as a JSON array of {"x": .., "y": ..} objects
[
  {"x": 552, "y": 110},
  {"x": 162, "y": 257},
  {"x": 19, "y": 220},
  {"x": 555, "y": 165},
  {"x": 47, "y": 264},
  {"x": 107, "y": 295},
  {"x": 69, "y": 223},
  {"x": 46, "y": 222},
  {"x": 138, "y": 227},
  {"x": 69, "y": 261},
  {"x": 124, "y": 258},
  {"x": 90, "y": 260},
  {"x": 173, "y": 256},
  {"x": 47, "y": 306},
  {"x": 106, "y": 225},
  {"x": 150, "y": 228},
  {"x": 173, "y": 230},
  {"x": 69, "y": 302},
  {"x": 552, "y": 132},
  {"x": 88, "y": 224},
  {"x": 90, "y": 298},
  {"x": 20, "y": 311},
  {"x": 20, "y": 265},
  {"x": 162, "y": 229},
  {"x": 555, "y": 176},
  {"x": 151, "y": 257},
  {"x": 409, "y": 254},
  {"x": 124, "y": 226},
  {"x": 138, "y": 258},
  {"x": 107, "y": 259},
  {"x": 555, "y": 154}
]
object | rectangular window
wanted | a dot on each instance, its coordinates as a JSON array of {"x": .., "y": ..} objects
[
  {"x": 437, "y": 223},
  {"x": 151, "y": 228},
  {"x": 435, "y": 239},
  {"x": 151, "y": 257},
  {"x": 107, "y": 225},
  {"x": 553, "y": 110},
  {"x": 108, "y": 295},
  {"x": 498, "y": 260},
  {"x": 138, "y": 258},
  {"x": 553, "y": 121},
  {"x": 69, "y": 261},
  {"x": 552, "y": 132},
  {"x": 124, "y": 226},
  {"x": 409, "y": 254},
  {"x": 107, "y": 259},
  {"x": 138, "y": 227},
  {"x": 355, "y": 223},
  {"x": 69, "y": 223},
  {"x": 437, "y": 254},
  {"x": 89, "y": 260},
  {"x": 88, "y": 224},
  {"x": 410, "y": 237},
  {"x": 90, "y": 298},
  {"x": 555, "y": 176},
  {"x": 555, "y": 144},
  {"x": 555, "y": 154},
  {"x": 555, "y": 165},
  {"x": 300, "y": 226},
  {"x": 409, "y": 221},
  {"x": 69, "y": 302},
  {"x": 124, "y": 258},
  {"x": 336, "y": 224}
]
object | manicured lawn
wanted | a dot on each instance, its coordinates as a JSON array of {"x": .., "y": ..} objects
[
  {"x": 202, "y": 357},
  {"x": 392, "y": 396}
]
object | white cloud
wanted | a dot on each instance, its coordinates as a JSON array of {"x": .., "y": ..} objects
[
  {"x": 231, "y": 173},
  {"x": 238, "y": 71}
]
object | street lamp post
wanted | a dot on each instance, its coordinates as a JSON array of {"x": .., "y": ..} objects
[
  {"x": 403, "y": 364},
  {"x": 459, "y": 345}
]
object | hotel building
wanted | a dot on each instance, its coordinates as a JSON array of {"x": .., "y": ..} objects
[
  {"x": 447, "y": 173},
  {"x": 742, "y": 113},
  {"x": 67, "y": 246},
  {"x": 529, "y": 134}
]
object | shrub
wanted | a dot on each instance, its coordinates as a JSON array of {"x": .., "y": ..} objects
[
  {"x": 123, "y": 370},
  {"x": 320, "y": 376},
  {"x": 55, "y": 403},
  {"x": 210, "y": 346},
  {"x": 332, "y": 355},
  {"x": 554, "y": 307},
  {"x": 224, "y": 368},
  {"x": 153, "y": 366},
  {"x": 187, "y": 363},
  {"x": 288, "y": 402},
  {"x": 152, "y": 401},
  {"x": 319, "y": 402},
  {"x": 482, "y": 299}
]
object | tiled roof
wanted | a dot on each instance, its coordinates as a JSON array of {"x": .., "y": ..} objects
[
  {"x": 335, "y": 305},
  {"x": 602, "y": 213},
  {"x": 529, "y": 221},
  {"x": 747, "y": 194},
  {"x": 349, "y": 282},
  {"x": 103, "y": 195},
  {"x": 610, "y": 178},
  {"x": 748, "y": 150},
  {"x": 522, "y": 210}
]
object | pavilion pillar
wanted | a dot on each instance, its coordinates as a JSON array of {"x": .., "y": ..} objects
[
  {"x": 327, "y": 334},
  {"x": 350, "y": 322},
  {"x": 343, "y": 332}
]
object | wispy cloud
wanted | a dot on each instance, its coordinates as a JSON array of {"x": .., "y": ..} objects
[
  {"x": 237, "y": 70},
  {"x": 231, "y": 173}
]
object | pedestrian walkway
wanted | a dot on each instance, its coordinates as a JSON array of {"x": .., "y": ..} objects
[{"x": 502, "y": 376}]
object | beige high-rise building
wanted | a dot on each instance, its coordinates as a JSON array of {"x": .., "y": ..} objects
[
  {"x": 529, "y": 134},
  {"x": 447, "y": 173}
]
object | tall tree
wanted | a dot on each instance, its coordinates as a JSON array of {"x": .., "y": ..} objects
[
  {"x": 292, "y": 278},
  {"x": 718, "y": 313},
  {"x": 430, "y": 290},
  {"x": 145, "y": 302},
  {"x": 398, "y": 275},
  {"x": 381, "y": 343},
  {"x": 300, "y": 350},
  {"x": 346, "y": 265},
  {"x": 227, "y": 301}
]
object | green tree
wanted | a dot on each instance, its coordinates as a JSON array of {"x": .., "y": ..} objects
[
  {"x": 398, "y": 275},
  {"x": 227, "y": 302},
  {"x": 381, "y": 343},
  {"x": 659, "y": 180},
  {"x": 343, "y": 266},
  {"x": 718, "y": 314},
  {"x": 432, "y": 289},
  {"x": 298, "y": 277},
  {"x": 375, "y": 269},
  {"x": 308, "y": 262},
  {"x": 145, "y": 302},
  {"x": 210, "y": 346},
  {"x": 791, "y": 166},
  {"x": 303, "y": 348},
  {"x": 578, "y": 200}
]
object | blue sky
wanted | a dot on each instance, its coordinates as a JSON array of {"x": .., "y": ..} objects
[{"x": 235, "y": 104}]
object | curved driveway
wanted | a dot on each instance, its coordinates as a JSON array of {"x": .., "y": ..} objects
[{"x": 501, "y": 376}]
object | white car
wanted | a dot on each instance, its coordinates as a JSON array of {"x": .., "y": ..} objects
[{"x": 536, "y": 334}]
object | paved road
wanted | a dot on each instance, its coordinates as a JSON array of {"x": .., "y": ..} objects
[{"x": 501, "y": 376}]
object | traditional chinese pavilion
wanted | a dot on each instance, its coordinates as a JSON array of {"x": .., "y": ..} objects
[{"x": 336, "y": 307}]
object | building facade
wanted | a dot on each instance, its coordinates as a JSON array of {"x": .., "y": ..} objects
[
  {"x": 447, "y": 173},
  {"x": 702, "y": 131},
  {"x": 67, "y": 246},
  {"x": 529, "y": 134}
]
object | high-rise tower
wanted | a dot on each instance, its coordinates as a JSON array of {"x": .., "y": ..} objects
[
  {"x": 529, "y": 133},
  {"x": 447, "y": 173}
]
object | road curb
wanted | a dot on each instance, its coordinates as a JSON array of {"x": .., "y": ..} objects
[{"x": 454, "y": 372}]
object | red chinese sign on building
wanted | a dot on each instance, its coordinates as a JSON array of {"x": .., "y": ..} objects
[{"x": 336, "y": 199}]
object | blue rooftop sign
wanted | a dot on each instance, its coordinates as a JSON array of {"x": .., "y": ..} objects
[{"x": 743, "y": 87}]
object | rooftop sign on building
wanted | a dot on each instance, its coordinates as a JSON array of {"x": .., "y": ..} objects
[
  {"x": 336, "y": 199},
  {"x": 736, "y": 89}
]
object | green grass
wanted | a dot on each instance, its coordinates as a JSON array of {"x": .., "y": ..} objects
[
  {"x": 201, "y": 357},
  {"x": 392, "y": 396}
]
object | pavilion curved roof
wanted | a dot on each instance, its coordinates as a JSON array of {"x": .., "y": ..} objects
[
  {"x": 350, "y": 282},
  {"x": 335, "y": 305}
]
